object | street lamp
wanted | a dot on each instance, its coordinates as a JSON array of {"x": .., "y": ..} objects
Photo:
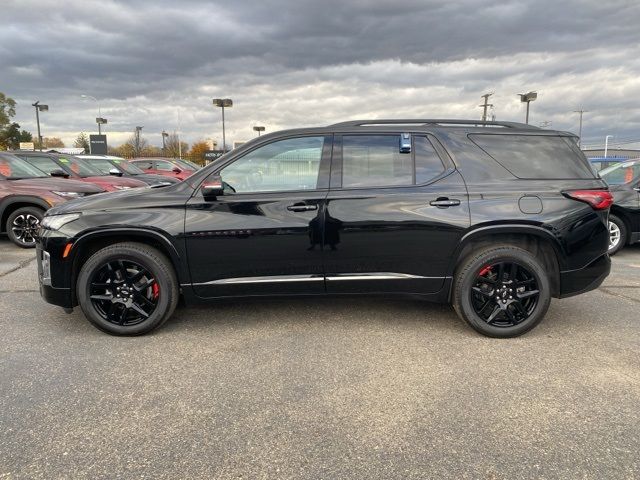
[
  {"x": 606, "y": 144},
  {"x": 528, "y": 98},
  {"x": 258, "y": 129},
  {"x": 99, "y": 119},
  {"x": 164, "y": 147},
  {"x": 223, "y": 102},
  {"x": 39, "y": 108},
  {"x": 138, "y": 130}
]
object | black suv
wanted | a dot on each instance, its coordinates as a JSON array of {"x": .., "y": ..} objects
[{"x": 494, "y": 217}]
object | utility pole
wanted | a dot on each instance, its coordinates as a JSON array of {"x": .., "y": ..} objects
[
  {"x": 138, "y": 129},
  {"x": 485, "y": 105},
  {"x": 580, "y": 130},
  {"x": 39, "y": 108},
  {"x": 164, "y": 146}
]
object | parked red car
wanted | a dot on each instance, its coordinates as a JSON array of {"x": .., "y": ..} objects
[
  {"x": 169, "y": 167},
  {"x": 68, "y": 166},
  {"x": 26, "y": 193}
]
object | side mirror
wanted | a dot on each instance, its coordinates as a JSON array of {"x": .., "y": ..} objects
[
  {"x": 212, "y": 187},
  {"x": 116, "y": 172},
  {"x": 176, "y": 170},
  {"x": 59, "y": 173}
]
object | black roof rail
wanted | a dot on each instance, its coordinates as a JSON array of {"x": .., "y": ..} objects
[{"x": 434, "y": 122}]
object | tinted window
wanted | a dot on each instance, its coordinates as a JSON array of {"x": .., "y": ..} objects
[
  {"x": 428, "y": 163},
  {"x": 162, "y": 165},
  {"x": 375, "y": 160},
  {"x": 79, "y": 167},
  {"x": 291, "y": 164},
  {"x": 529, "y": 156},
  {"x": 145, "y": 165}
]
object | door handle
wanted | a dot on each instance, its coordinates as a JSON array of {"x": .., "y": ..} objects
[
  {"x": 442, "y": 202},
  {"x": 301, "y": 208}
]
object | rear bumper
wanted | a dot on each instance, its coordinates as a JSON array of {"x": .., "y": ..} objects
[{"x": 575, "y": 282}]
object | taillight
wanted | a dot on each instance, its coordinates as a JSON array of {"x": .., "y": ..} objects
[{"x": 598, "y": 199}]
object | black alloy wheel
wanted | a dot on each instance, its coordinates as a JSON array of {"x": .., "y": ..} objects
[
  {"x": 124, "y": 293},
  {"x": 127, "y": 288},
  {"x": 502, "y": 291},
  {"x": 504, "y": 294}
]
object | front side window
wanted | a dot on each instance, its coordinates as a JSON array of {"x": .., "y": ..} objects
[
  {"x": 377, "y": 161},
  {"x": 79, "y": 167},
  {"x": 621, "y": 173},
  {"x": 166, "y": 166},
  {"x": 145, "y": 165},
  {"x": 102, "y": 164},
  {"x": 291, "y": 164},
  {"x": 14, "y": 168}
]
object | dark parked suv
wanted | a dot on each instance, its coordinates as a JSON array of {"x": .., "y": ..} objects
[{"x": 495, "y": 218}]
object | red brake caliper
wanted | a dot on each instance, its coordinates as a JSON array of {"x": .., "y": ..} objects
[
  {"x": 156, "y": 290},
  {"x": 485, "y": 270}
]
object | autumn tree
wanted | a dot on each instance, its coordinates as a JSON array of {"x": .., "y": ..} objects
[
  {"x": 136, "y": 144},
  {"x": 198, "y": 150},
  {"x": 174, "y": 147},
  {"x": 82, "y": 141},
  {"x": 50, "y": 142}
]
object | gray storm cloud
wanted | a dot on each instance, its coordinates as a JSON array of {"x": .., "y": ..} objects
[{"x": 309, "y": 62}]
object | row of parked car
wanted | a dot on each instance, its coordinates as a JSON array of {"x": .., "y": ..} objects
[{"x": 33, "y": 182}]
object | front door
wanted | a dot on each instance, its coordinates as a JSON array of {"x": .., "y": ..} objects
[
  {"x": 396, "y": 211},
  {"x": 264, "y": 234}
]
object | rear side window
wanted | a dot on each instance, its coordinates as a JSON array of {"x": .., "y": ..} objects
[
  {"x": 144, "y": 165},
  {"x": 536, "y": 156},
  {"x": 376, "y": 161}
]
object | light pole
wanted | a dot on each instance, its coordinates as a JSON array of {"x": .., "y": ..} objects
[
  {"x": 39, "y": 108},
  {"x": 528, "y": 98},
  {"x": 138, "y": 130},
  {"x": 99, "y": 119},
  {"x": 223, "y": 102},
  {"x": 164, "y": 147},
  {"x": 485, "y": 105},
  {"x": 258, "y": 128},
  {"x": 606, "y": 144},
  {"x": 580, "y": 129}
]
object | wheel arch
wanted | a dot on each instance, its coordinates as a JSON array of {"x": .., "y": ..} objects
[
  {"x": 535, "y": 240},
  {"x": 89, "y": 243},
  {"x": 10, "y": 204}
]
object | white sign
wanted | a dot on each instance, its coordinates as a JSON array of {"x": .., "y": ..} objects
[{"x": 27, "y": 146}]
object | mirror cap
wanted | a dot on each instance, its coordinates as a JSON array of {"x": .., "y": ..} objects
[{"x": 212, "y": 186}]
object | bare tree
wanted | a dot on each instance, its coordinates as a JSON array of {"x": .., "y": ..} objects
[{"x": 136, "y": 144}]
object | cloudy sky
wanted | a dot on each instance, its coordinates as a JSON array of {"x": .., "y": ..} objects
[{"x": 289, "y": 63}]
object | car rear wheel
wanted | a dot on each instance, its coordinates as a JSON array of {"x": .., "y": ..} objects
[
  {"x": 501, "y": 291},
  {"x": 617, "y": 234},
  {"x": 23, "y": 224},
  {"x": 127, "y": 289}
]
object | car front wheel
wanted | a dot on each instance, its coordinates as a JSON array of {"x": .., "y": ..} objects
[
  {"x": 22, "y": 226},
  {"x": 501, "y": 291},
  {"x": 127, "y": 289}
]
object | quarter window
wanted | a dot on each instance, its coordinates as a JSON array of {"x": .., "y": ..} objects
[{"x": 291, "y": 164}]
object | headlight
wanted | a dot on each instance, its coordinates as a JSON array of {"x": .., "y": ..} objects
[
  {"x": 55, "y": 222},
  {"x": 69, "y": 194},
  {"x": 121, "y": 187}
]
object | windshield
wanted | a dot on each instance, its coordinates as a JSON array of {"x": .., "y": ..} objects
[
  {"x": 186, "y": 164},
  {"x": 14, "y": 168},
  {"x": 621, "y": 173},
  {"x": 79, "y": 166},
  {"x": 126, "y": 166}
]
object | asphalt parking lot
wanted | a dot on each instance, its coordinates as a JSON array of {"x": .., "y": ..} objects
[{"x": 320, "y": 388}]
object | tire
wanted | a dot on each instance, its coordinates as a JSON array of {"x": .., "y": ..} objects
[
  {"x": 617, "y": 234},
  {"x": 135, "y": 271},
  {"x": 515, "y": 307},
  {"x": 22, "y": 226}
]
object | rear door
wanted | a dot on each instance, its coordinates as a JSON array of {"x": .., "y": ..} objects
[{"x": 394, "y": 215}]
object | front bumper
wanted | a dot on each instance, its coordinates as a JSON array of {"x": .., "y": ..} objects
[{"x": 575, "y": 282}]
